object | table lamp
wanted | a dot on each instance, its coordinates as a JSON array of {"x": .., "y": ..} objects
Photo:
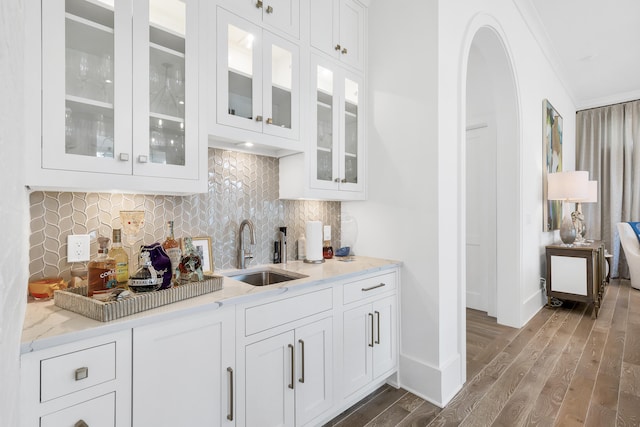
[
  {"x": 578, "y": 217},
  {"x": 569, "y": 186}
]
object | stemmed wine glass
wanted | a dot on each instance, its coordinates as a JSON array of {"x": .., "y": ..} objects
[
  {"x": 164, "y": 99},
  {"x": 132, "y": 224}
]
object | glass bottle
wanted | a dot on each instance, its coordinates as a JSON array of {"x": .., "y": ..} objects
[
  {"x": 190, "y": 268},
  {"x": 327, "y": 249},
  {"x": 122, "y": 259},
  {"x": 172, "y": 248},
  {"x": 102, "y": 270}
]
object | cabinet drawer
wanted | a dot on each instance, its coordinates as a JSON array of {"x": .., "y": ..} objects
[
  {"x": 98, "y": 412},
  {"x": 369, "y": 287},
  {"x": 266, "y": 316},
  {"x": 75, "y": 371}
]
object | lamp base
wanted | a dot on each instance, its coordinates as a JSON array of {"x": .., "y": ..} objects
[{"x": 567, "y": 230}]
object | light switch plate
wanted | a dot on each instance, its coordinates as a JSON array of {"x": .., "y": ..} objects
[{"x": 78, "y": 247}]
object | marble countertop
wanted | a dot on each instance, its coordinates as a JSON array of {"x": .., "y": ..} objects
[{"x": 47, "y": 325}]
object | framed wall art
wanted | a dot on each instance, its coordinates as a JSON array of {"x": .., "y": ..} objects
[
  {"x": 552, "y": 162},
  {"x": 203, "y": 246}
]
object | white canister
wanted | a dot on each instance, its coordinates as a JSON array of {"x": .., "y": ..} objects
[{"x": 314, "y": 241}]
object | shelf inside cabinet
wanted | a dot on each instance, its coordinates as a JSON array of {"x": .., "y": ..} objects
[
  {"x": 167, "y": 39},
  {"x": 85, "y": 36},
  {"x": 89, "y": 105},
  {"x": 91, "y": 10}
]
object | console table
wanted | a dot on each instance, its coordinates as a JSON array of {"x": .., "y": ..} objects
[{"x": 576, "y": 273}]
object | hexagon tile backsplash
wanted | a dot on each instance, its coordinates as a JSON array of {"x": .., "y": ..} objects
[{"x": 240, "y": 186}]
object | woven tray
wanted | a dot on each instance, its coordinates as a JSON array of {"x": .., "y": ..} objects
[{"x": 76, "y": 300}]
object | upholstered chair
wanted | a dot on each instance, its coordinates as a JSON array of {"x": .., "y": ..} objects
[{"x": 631, "y": 247}]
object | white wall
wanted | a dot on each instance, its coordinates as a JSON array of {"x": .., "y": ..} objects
[
  {"x": 14, "y": 211},
  {"x": 417, "y": 72}
]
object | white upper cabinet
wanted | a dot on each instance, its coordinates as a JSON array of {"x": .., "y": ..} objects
[
  {"x": 333, "y": 166},
  {"x": 257, "y": 96},
  {"x": 120, "y": 105},
  {"x": 278, "y": 15},
  {"x": 337, "y": 28}
]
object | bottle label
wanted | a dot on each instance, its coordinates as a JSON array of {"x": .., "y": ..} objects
[
  {"x": 122, "y": 272},
  {"x": 175, "y": 254}
]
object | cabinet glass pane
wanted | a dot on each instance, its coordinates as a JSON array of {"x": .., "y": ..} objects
[
  {"x": 240, "y": 66},
  {"x": 281, "y": 76},
  {"x": 167, "y": 50},
  {"x": 89, "y": 78},
  {"x": 324, "y": 143},
  {"x": 351, "y": 131}
]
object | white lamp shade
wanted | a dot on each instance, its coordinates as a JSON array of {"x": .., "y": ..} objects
[
  {"x": 569, "y": 186},
  {"x": 592, "y": 196}
]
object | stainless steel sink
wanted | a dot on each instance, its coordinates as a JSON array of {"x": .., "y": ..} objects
[{"x": 265, "y": 277}]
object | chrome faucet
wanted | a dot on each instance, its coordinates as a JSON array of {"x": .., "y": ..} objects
[{"x": 243, "y": 255}]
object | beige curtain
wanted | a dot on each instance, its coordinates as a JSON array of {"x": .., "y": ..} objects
[{"x": 608, "y": 146}]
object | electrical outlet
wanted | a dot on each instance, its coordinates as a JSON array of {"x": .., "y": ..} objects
[{"x": 78, "y": 247}]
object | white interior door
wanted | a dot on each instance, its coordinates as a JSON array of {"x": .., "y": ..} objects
[{"x": 481, "y": 219}]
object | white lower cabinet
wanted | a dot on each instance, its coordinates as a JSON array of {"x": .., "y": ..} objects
[
  {"x": 183, "y": 371},
  {"x": 369, "y": 344},
  {"x": 289, "y": 376},
  {"x": 83, "y": 383}
]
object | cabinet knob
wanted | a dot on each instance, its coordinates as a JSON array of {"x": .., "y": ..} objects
[
  {"x": 82, "y": 373},
  {"x": 269, "y": 121},
  {"x": 143, "y": 158},
  {"x": 258, "y": 118},
  {"x": 259, "y": 4},
  {"x": 269, "y": 9},
  {"x": 338, "y": 47},
  {"x": 336, "y": 180},
  {"x": 124, "y": 157},
  {"x": 344, "y": 50},
  {"x": 81, "y": 423},
  {"x": 343, "y": 180}
]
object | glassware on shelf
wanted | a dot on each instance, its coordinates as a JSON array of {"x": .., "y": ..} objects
[
  {"x": 165, "y": 99},
  {"x": 105, "y": 72},
  {"x": 84, "y": 71},
  {"x": 69, "y": 131}
]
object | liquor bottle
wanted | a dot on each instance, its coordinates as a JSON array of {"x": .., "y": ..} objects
[
  {"x": 102, "y": 270},
  {"x": 190, "y": 268},
  {"x": 122, "y": 259},
  {"x": 327, "y": 249},
  {"x": 172, "y": 248}
]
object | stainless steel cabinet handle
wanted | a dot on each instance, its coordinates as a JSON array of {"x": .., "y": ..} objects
[
  {"x": 302, "y": 360},
  {"x": 336, "y": 180},
  {"x": 230, "y": 414},
  {"x": 259, "y": 4},
  {"x": 293, "y": 373},
  {"x": 343, "y": 180},
  {"x": 269, "y": 121},
  {"x": 124, "y": 157},
  {"x": 373, "y": 287},
  {"x": 82, "y": 373},
  {"x": 269, "y": 9},
  {"x": 258, "y": 118},
  {"x": 142, "y": 158},
  {"x": 371, "y": 316},
  {"x": 378, "y": 317},
  {"x": 81, "y": 423},
  {"x": 338, "y": 47},
  {"x": 344, "y": 51}
]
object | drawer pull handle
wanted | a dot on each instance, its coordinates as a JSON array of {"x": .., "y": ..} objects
[
  {"x": 302, "y": 360},
  {"x": 293, "y": 374},
  {"x": 373, "y": 287},
  {"x": 372, "y": 326},
  {"x": 81, "y": 374},
  {"x": 378, "y": 317},
  {"x": 230, "y": 414},
  {"x": 81, "y": 423},
  {"x": 269, "y": 9}
]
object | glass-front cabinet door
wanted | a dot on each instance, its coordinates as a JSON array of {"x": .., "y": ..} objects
[
  {"x": 116, "y": 96},
  {"x": 257, "y": 78},
  {"x": 165, "y": 88},
  {"x": 337, "y": 120},
  {"x": 86, "y": 51}
]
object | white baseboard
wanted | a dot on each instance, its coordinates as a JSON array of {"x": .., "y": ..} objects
[
  {"x": 532, "y": 305},
  {"x": 435, "y": 385}
]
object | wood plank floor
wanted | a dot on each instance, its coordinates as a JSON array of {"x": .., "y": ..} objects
[{"x": 563, "y": 368}]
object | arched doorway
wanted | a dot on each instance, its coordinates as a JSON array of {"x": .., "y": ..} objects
[{"x": 491, "y": 175}]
